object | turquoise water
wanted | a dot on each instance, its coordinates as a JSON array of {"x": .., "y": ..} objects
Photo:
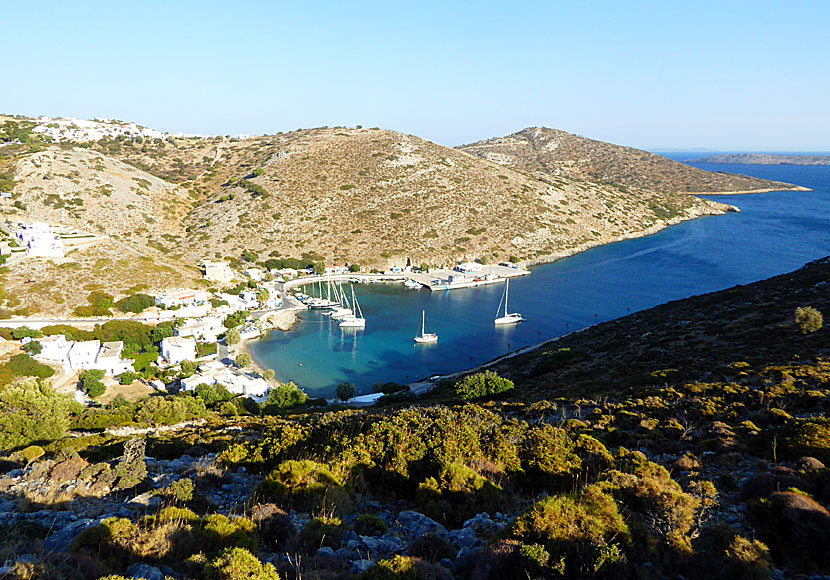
[{"x": 775, "y": 233}]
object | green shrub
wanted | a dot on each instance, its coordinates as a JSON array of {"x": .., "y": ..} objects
[
  {"x": 127, "y": 378},
  {"x": 284, "y": 396},
  {"x": 585, "y": 531},
  {"x": 33, "y": 348},
  {"x": 22, "y": 365},
  {"x": 806, "y": 438},
  {"x": 219, "y": 532},
  {"x": 480, "y": 385},
  {"x": 243, "y": 360},
  {"x": 239, "y": 564},
  {"x": 406, "y": 568},
  {"x": 319, "y": 532},
  {"x": 459, "y": 493},
  {"x": 136, "y": 303},
  {"x": 369, "y": 525},
  {"x": 91, "y": 382},
  {"x": 345, "y": 391},
  {"x": 808, "y": 319},
  {"x": 305, "y": 486},
  {"x": 25, "y": 332},
  {"x": 32, "y": 411},
  {"x": 549, "y": 458}
]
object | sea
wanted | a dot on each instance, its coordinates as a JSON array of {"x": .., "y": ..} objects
[{"x": 774, "y": 233}]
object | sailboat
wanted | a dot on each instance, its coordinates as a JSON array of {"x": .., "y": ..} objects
[
  {"x": 342, "y": 309},
  {"x": 356, "y": 319},
  {"x": 510, "y": 318},
  {"x": 424, "y": 337}
]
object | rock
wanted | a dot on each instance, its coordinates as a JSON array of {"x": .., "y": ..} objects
[
  {"x": 145, "y": 571},
  {"x": 463, "y": 538},
  {"x": 144, "y": 500},
  {"x": 60, "y": 540},
  {"x": 808, "y": 464},
  {"x": 361, "y": 566},
  {"x": 686, "y": 463},
  {"x": 131, "y": 470},
  {"x": 68, "y": 470},
  {"x": 346, "y": 554},
  {"x": 325, "y": 552},
  {"x": 417, "y": 524},
  {"x": 482, "y": 525}
]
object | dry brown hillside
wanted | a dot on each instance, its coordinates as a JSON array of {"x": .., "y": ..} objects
[
  {"x": 379, "y": 197},
  {"x": 539, "y": 150}
]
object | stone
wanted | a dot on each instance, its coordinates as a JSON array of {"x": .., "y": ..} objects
[
  {"x": 361, "y": 566},
  {"x": 145, "y": 571},
  {"x": 325, "y": 552},
  {"x": 417, "y": 524},
  {"x": 66, "y": 471},
  {"x": 61, "y": 539},
  {"x": 808, "y": 464},
  {"x": 482, "y": 525},
  {"x": 464, "y": 537}
]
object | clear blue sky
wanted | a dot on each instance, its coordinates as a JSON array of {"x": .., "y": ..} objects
[{"x": 723, "y": 75}]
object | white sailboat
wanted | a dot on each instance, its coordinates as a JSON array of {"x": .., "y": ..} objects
[
  {"x": 342, "y": 309},
  {"x": 424, "y": 337},
  {"x": 507, "y": 318},
  {"x": 354, "y": 320}
]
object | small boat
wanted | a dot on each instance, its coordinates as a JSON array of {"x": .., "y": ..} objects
[
  {"x": 424, "y": 337},
  {"x": 412, "y": 284},
  {"x": 507, "y": 318},
  {"x": 354, "y": 320}
]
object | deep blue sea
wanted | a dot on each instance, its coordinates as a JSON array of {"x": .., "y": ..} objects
[{"x": 774, "y": 233}]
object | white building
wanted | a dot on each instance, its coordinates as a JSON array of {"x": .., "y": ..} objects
[
  {"x": 175, "y": 349},
  {"x": 254, "y": 274},
  {"x": 335, "y": 270},
  {"x": 40, "y": 241},
  {"x": 287, "y": 273},
  {"x": 469, "y": 267},
  {"x": 182, "y": 298},
  {"x": 202, "y": 329},
  {"x": 236, "y": 381},
  {"x": 109, "y": 359},
  {"x": 55, "y": 349},
  {"x": 218, "y": 272},
  {"x": 82, "y": 355}
]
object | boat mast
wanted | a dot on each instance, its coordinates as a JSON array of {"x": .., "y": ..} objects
[{"x": 506, "y": 294}]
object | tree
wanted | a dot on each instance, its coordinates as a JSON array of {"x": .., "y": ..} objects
[
  {"x": 482, "y": 385},
  {"x": 354, "y": 268},
  {"x": 91, "y": 382},
  {"x": 268, "y": 374},
  {"x": 189, "y": 367},
  {"x": 319, "y": 267},
  {"x": 232, "y": 337},
  {"x": 34, "y": 347},
  {"x": 136, "y": 303},
  {"x": 808, "y": 319},
  {"x": 33, "y": 411},
  {"x": 345, "y": 391},
  {"x": 127, "y": 378},
  {"x": 243, "y": 360},
  {"x": 284, "y": 397}
]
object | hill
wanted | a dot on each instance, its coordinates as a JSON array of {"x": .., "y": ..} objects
[
  {"x": 765, "y": 159},
  {"x": 546, "y": 152}
]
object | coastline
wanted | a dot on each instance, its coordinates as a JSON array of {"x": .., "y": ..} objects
[{"x": 750, "y": 191}]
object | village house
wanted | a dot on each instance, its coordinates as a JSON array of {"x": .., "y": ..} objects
[
  {"x": 287, "y": 273},
  {"x": 175, "y": 349},
  {"x": 202, "y": 329},
  {"x": 255, "y": 274},
  {"x": 235, "y": 380},
  {"x": 218, "y": 272},
  {"x": 40, "y": 241},
  {"x": 182, "y": 298},
  {"x": 468, "y": 267},
  {"x": 82, "y": 355},
  {"x": 335, "y": 270},
  {"x": 55, "y": 349},
  {"x": 109, "y": 359}
]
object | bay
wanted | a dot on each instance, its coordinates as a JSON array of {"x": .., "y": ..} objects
[{"x": 774, "y": 233}]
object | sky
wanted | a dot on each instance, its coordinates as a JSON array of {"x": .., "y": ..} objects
[{"x": 726, "y": 75}]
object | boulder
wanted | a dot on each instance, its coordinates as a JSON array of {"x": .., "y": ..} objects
[
  {"x": 417, "y": 524},
  {"x": 131, "y": 469},
  {"x": 145, "y": 571},
  {"x": 60, "y": 539}
]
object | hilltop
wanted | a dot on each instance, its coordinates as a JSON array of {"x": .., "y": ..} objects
[
  {"x": 543, "y": 151},
  {"x": 765, "y": 159}
]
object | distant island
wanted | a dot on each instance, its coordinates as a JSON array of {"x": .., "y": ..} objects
[{"x": 764, "y": 159}]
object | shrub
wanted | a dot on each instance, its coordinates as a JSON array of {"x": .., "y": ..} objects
[
  {"x": 432, "y": 547},
  {"x": 807, "y": 438},
  {"x": 243, "y": 360},
  {"x": 284, "y": 397},
  {"x": 25, "y": 332},
  {"x": 32, "y": 411},
  {"x": 319, "y": 532},
  {"x": 305, "y": 486},
  {"x": 369, "y": 525},
  {"x": 578, "y": 531},
  {"x": 345, "y": 391},
  {"x": 91, "y": 382},
  {"x": 808, "y": 319},
  {"x": 127, "y": 378},
  {"x": 33, "y": 348},
  {"x": 406, "y": 568},
  {"x": 22, "y": 365},
  {"x": 239, "y": 564},
  {"x": 482, "y": 385},
  {"x": 549, "y": 458},
  {"x": 219, "y": 532},
  {"x": 136, "y": 303},
  {"x": 458, "y": 493}
]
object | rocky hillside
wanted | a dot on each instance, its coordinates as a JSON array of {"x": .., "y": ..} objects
[
  {"x": 548, "y": 152},
  {"x": 379, "y": 197}
]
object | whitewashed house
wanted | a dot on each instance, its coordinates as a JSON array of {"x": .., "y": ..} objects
[
  {"x": 109, "y": 359},
  {"x": 218, "y": 272},
  {"x": 55, "y": 350},
  {"x": 40, "y": 241},
  {"x": 175, "y": 349},
  {"x": 82, "y": 355},
  {"x": 468, "y": 267},
  {"x": 287, "y": 273},
  {"x": 182, "y": 298},
  {"x": 202, "y": 329},
  {"x": 254, "y": 274}
]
